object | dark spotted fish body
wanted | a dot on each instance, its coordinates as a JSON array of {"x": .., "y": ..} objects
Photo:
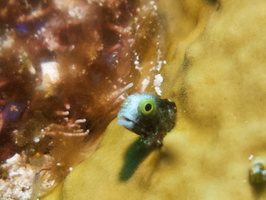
[{"x": 148, "y": 116}]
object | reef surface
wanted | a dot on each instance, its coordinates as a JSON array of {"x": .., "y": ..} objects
[{"x": 216, "y": 74}]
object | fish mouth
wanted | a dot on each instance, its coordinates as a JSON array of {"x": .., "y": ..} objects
[
  {"x": 127, "y": 119},
  {"x": 126, "y": 122}
]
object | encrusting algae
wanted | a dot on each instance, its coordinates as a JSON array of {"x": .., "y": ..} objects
[
  {"x": 65, "y": 69},
  {"x": 210, "y": 60}
]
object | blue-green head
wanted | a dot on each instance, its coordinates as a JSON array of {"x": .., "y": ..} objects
[{"x": 148, "y": 116}]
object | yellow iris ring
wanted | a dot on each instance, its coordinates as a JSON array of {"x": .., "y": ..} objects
[{"x": 147, "y": 106}]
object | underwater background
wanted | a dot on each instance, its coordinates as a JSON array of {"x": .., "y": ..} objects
[{"x": 67, "y": 67}]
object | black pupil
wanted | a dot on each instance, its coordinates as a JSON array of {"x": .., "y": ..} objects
[{"x": 148, "y": 107}]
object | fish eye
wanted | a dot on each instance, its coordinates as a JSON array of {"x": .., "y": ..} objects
[{"x": 147, "y": 106}]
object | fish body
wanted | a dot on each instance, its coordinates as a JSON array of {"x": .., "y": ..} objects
[{"x": 148, "y": 116}]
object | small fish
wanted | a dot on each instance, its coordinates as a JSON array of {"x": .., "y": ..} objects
[
  {"x": 148, "y": 116},
  {"x": 257, "y": 172},
  {"x": 12, "y": 110}
]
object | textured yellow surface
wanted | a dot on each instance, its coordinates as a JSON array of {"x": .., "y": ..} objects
[{"x": 216, "y": 73}]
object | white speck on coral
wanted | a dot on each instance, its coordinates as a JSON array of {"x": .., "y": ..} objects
[
  {"x": 80, "y": 121},
  {"x": 50, "y": 72},
  {"x": 77, "y": 12},
  {"x": 73, "y": 67},
  {"x": 158, "y": 91},
  {"x": 136, "y": 62},
  {"x": 158, "y": 80},
  {"x": 145, "y": 83},
  {"x": 13, "y": 174},
  {"x": 138, "y": 67},
  {"x": 251, "y": 157},
  {"x": 8, "y": 42},
  {"x": 157, "y": 83},
  {"x": 36, "y": 139},
  {"x": 67, "y": 106},
  {"x": 120, "y": 80}
]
